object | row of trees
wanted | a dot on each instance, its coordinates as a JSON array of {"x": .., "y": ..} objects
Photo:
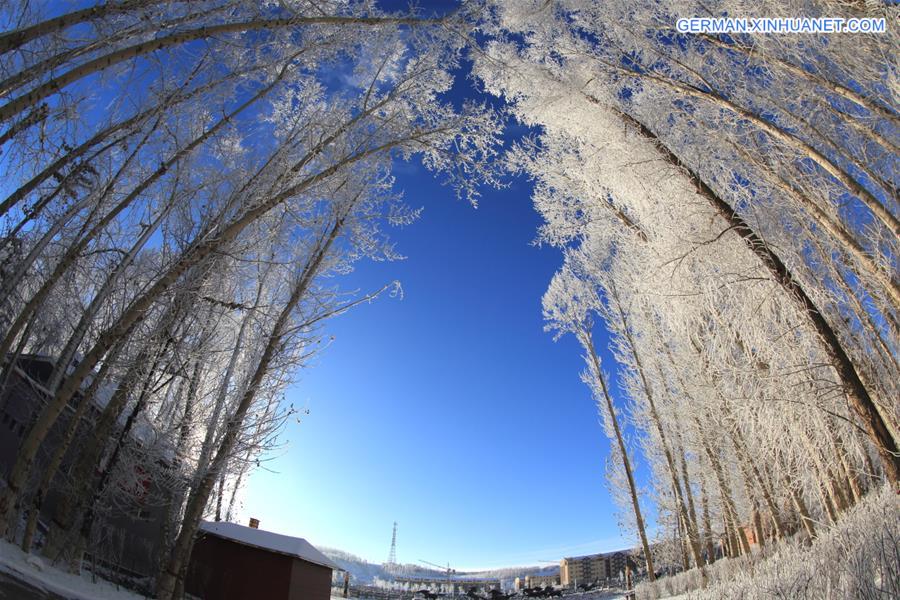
[
  {"x": 184, "y": 179},
  {"x": 727, "y": 207},
  {"x": 182, "y": 182}
]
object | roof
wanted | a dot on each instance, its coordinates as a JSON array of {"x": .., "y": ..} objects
[
  {"x": 598, "y": 555},
  {"x": 37, "y": 369},
  {"x": 267, "y": 540}
]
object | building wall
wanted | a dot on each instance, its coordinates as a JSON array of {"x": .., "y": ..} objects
[
  {"x": 593, "y": 568},
  {"x": 131, "y": 528},
  {"x": 750, "y": 532},
  {"x": 20, "y": 404},
  {"x": 541, "y": 580},
  {"x": 309, "y": 581},
  {"x": 582, "y": 569},
  {"x": 224, "y": 570}
]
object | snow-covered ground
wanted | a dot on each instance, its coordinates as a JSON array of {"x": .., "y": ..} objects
[
  {"x": 40, "y": 580},
  {"x": 857, "y": 558}
]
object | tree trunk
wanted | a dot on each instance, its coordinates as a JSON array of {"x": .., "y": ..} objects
[
  {"x": 74, "y": 252},
  {"x": 59, "y": 82},
  {"x": 707, "y": 524},
  {"x": 732, "y": 517},
  {"x": 135, "y": 312},
  {"x": 102, "y": 295},
  {"x": 859, "y": 397},
  {"x": 689, "y": 495},
  {"x": 196, "y": 252},
  {"x": 172, "y": 509},
  {"x": 655, "y": 418},
  {"x": 19, "y": 37},
  {"x": 13, "y": 281},
  {"x": 168, "y": 580},
  {"x": 829, "y": 493},
  {"x": 848, "y": 94},
  {"x": 777, "y": 133},
  {"x": 96, "y": 495},
  {"x": 221, "y": 491},
  {"x": 130, "y": 126},
  {"x": 62, "y": 447},
  {"x": 85, "y": 468},
  {"x": 852, "y": 482},
  {"x": 800, "y": 506},
  {"x": 743, "y": 456},
  {"x": 835, "y": 229},
  {"x": 754, "y": 501},
  {"x": 758, "y": 529},
  {"x": 588, "y": 344}
]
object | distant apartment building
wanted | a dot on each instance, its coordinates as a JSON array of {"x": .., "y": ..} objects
[
  {"x": 593, "y": 568},
  {"x": 531, "y": 581}
]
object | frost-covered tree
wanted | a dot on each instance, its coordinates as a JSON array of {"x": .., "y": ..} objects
[
  {"x": 568, "y": 307},
  {"x": 731, "y": 202},
  {"x": 173, "y": 250}
]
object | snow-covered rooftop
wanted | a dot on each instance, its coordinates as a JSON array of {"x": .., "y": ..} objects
[{"x": 274, "y": 542}]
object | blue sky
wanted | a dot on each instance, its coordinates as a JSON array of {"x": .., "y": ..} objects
[{"x": 450, "y": 410}]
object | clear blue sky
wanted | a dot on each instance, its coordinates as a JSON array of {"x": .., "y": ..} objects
[{"x": 450, "y": 411}]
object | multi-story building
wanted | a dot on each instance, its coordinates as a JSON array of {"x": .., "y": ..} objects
[
  {"x": 532, "y": 581},
  {"x": 592, "y": 568}
]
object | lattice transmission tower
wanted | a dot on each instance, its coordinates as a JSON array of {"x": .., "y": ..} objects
[{"x": 392, "y": 557}]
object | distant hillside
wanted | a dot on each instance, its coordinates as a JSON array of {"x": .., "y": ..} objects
[
  {"x": 363, "y": 572},
  {"x": 513, "y": 572}
]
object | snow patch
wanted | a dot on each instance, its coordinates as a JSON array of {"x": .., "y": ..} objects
[
  {"x": 35, "y": 562},
  {"x": 33, "y": 572}
]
